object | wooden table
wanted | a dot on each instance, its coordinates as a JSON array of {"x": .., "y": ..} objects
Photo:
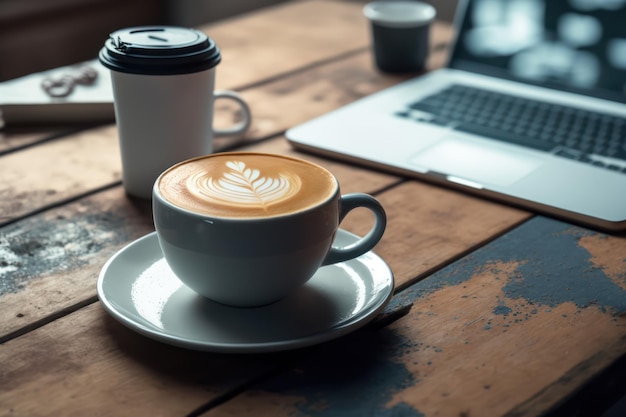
[{"x": 512, "y": 313}]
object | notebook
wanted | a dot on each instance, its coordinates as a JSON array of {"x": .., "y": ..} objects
[
  {"x": 23, "y": 101},
  {"x": 530, "y": 110}
]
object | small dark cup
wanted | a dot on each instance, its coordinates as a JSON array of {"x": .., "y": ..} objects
[{"x": 400, "y": 34}]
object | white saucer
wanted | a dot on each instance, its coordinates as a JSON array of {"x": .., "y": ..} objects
[{"x": 137, "y": 287}]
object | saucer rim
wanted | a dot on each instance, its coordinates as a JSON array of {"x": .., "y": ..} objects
[{"x": 338, "y": 329}]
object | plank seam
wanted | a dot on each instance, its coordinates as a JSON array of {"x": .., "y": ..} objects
[
  {"x": 50, "y": 138},
  {"x": 48, "y": 319},
  {"x": 7, "y": 220},
  {"x": 281, "y": 76},
  {"x": 461, "y": 255}
]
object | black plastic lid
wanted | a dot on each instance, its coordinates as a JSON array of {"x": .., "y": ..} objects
[{"x": 159, "y": 50}]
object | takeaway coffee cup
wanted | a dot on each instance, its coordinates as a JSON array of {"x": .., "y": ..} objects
[
  {"x": 400, "y": 34},
  {"x": 163, "y": 87},
  {"x": 246, "y": 229}
]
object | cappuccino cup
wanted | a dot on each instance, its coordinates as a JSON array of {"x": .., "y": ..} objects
[
  {"x": 163, "y": 81},
  {"x": 246, "y": 229}
]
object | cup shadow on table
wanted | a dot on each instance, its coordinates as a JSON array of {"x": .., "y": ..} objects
[{"x": 353, "y": 355}]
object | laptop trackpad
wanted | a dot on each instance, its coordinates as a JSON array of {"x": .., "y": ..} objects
[{"x": 484, "y": 164}]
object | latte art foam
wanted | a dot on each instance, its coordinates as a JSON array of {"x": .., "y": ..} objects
[
  {"x": 239, "y": 185},
  {"x": 243, "y": 186}
]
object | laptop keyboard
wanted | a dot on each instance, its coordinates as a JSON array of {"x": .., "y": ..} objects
[{"x": 587, "y": 136}]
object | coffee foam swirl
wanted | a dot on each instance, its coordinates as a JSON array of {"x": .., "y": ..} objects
[
  {"x": 243, "y": 186},
  {"x": 246, "y": 185}
]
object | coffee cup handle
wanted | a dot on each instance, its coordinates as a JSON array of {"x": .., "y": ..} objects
[
  {"x": 244, "y": 109},
  {"x": 367, "y": 242}
]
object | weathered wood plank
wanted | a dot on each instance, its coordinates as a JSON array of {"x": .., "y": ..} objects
[
  {"x": 86, "y": 364},
  {"x": 15, "y": 138},
  {"x": 293, "y": 36},
  {"x": 510, "y": 330},
  {"x": 54, "y": 171}
]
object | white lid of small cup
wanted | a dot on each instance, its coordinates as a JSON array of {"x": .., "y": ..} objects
[{"x": 399, "y": 14}]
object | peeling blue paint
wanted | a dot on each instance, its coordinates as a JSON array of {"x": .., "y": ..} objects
[
  {"x": 51, "y": 244},
  {"x": 502, "y": 310},
  {"x": 343, "y": 380},
  {"x": 553, "y": 268}
]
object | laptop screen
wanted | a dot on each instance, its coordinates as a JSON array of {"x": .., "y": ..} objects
[{"x": 573, "y": 45}]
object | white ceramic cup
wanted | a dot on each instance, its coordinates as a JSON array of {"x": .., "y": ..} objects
[
  {"x": 163, "y": 82},
  {"x": 251, "y": 256}
]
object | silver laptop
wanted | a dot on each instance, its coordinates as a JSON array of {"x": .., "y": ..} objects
[{"x": 530, "y": 110}]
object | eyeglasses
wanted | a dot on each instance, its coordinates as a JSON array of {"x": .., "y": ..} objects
[{"x": 64, "y": 85}]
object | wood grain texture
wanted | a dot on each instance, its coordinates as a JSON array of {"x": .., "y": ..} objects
[
  {"x": 57, "y": 170},
  {"x": 12, "y": 139},
  {"x": 509, "y": 330},
  {"x": 86, "y": 364},
  {"x": 285, "y": 39}
]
